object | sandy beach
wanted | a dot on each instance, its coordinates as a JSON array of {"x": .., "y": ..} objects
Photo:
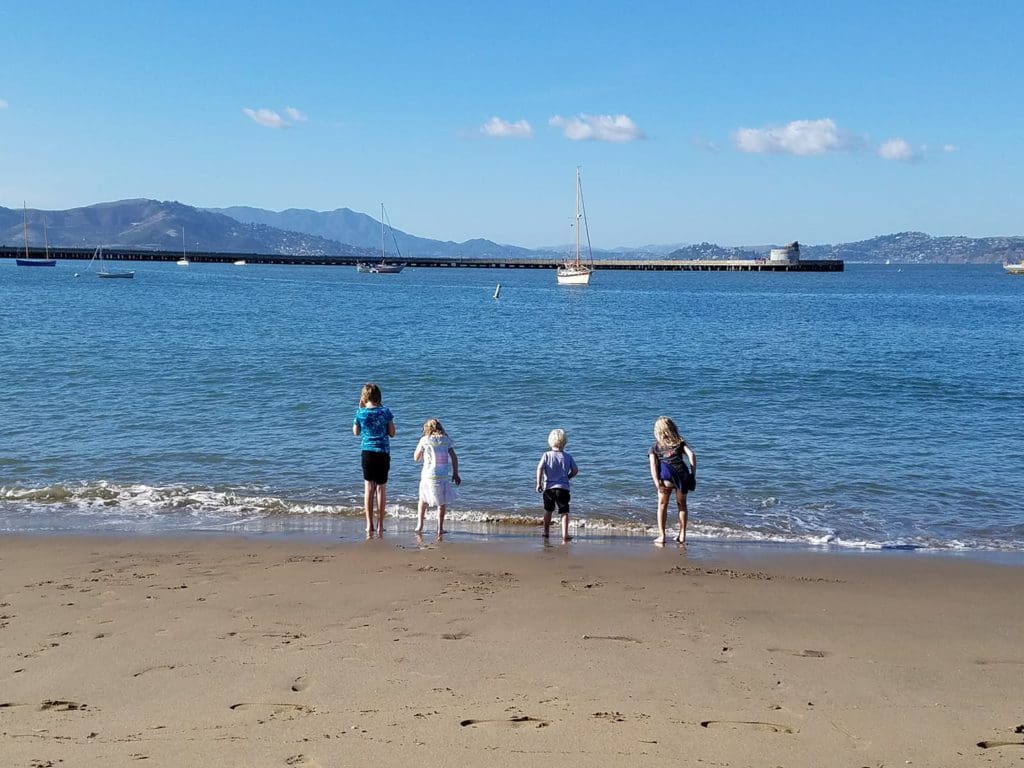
[{"x": 269, "y": 652}]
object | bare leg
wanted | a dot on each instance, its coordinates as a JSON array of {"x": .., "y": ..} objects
[
  {"x": 421, "y": 513},
  {"x": 369, "y": 492},
  {"x": 681, "y": 503},
  {"x": 565, "y": 527},
  {"x": 547, "y": 524},
  {"x": 382, "y": 500},
  {"x": 663, "y": 497},
  {"x": 441, "y": 511}
]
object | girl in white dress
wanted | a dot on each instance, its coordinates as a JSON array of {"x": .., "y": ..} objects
[{"x": 440, "y": 472}]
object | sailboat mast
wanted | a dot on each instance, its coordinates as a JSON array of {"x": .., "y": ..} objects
[
  {"x": 577, "y": 215},
  {"x": 382, "y": 232},
  {"x": 24, "y": 208}
]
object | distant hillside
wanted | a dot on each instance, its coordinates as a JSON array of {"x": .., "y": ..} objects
[
  {"x": 347, "y": 226},
  {"x": 919, "y": 248},
  {"x": 158, "y": 226},
  {"x": 711, "y": 251}
]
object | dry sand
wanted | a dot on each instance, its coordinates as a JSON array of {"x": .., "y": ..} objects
[{"x": 249, "y": 652}]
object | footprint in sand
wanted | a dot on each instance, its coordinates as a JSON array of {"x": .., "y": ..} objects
[
  {"x": 536, "y": 722},
  {"x": 303, "y": 761},
  {"x": 59, "y": 705},
  {"x": 300, "y": 684},
  {"x": 757, "y": 724},
  {"x": 275, "y": 708},
  {"x": 991, "y": 744}
]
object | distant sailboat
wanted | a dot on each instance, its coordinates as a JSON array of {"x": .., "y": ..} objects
[
  {"x": 124, "y": 274},
  {"x": 183, "y": 261},
  {"x": 30, "y": 261},
  {"x": 382, "y": 267},
  {"x": 574, "y": 271},
  {"x": 497, "y": 290}
]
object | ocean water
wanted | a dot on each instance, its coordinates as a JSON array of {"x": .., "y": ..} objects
[{"x": 875, "y": 408}]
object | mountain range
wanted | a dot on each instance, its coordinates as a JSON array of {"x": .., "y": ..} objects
[{"x": 151, "y": 224}]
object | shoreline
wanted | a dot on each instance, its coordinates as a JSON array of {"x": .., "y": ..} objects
[{"x": 282, "y": 651}]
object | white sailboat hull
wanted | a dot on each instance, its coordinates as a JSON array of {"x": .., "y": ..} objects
[
  {"x": 1015, "y": 269},
  {"x": 574, "y": 275}
]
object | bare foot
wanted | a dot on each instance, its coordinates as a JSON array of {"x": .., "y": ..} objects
[
  {"x": 660, "y": 539},
  {"x": 566, "y": 538},
  {"x": 680, "y": 539},
  {"x": 418, "y": 530}
]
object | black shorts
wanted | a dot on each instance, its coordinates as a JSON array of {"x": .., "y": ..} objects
[
  {"x": 376, "y": 465},
  {"x": 556, "y": 497}
]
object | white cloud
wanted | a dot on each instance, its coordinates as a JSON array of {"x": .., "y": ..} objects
[
  {"x": 897, "y": 149},
  {"x": 950, "y": 148},
  {"x": 799, "y": 137},
  {"x": 502, "y": 129},
  {"x": 3, "y": 104},
  {"x": 616, "y": 128},
  {"x": 268, "y": 118}
]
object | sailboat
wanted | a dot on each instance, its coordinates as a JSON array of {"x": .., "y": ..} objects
[
  {"x": 30, "y": 261},
  {"x": 574, "y": 271},
  {"x": 97, "y": 255},
  {"x": 1015, "y": 269},
  {"x": 382, "y": 267},
  {"x": 183, "y": 261}
]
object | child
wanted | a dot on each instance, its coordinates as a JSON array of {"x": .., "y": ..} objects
[
  {"x": 440, "y": 470},
  {"x": 554, "y": 471},
  {"x": 669, "y": 471},
  {"x": 375, "y": 424}
]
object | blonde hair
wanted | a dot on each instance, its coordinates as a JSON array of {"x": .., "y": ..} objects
[
  {"x": 667, "y": 433},
  {"x": 370, "y": 394},
  {"x": 556, "y": 440},
  {"x": 433, "y": 428}
]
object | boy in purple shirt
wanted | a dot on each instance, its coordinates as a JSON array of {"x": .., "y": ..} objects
[{"x": 555, "y": 469}]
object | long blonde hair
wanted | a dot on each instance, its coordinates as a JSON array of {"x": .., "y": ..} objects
[
  {"x": 667, "y": 433},
  {"x": 370, "y": 394},
  {"x": 433, "y": 428}
]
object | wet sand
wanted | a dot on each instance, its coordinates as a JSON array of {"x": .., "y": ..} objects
[{"x": 258, "y": 652}]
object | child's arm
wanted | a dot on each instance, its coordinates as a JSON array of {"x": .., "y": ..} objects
[
  {"x": 573, "y": 469},
  {"x": 355, "y": 429},
  {"x": 417, "y": 455},
  {"x": 391, "y": 428},
  {"x": 655, "y": 476},
  {"x": 540, "y": 475},
  {"x": 455, "y": 467},
  {"x": 691, "y": 456}
]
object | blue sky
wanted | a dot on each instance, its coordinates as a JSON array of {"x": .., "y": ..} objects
[{"x": 739, "y": 123}]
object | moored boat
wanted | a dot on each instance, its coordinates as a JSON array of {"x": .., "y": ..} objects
[
  {"x": 382, "y": 267},
  {"x": 1015, "y": 269},
  {"x": 31, "y": 261},
  {"x": 575, "y": 271}
]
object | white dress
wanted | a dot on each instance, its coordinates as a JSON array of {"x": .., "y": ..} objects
[{"x": 436, "y": 486}]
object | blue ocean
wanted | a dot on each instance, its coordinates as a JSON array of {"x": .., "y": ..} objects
[{"x": 880, "y": 407}]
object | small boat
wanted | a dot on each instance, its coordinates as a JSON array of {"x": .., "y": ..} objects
[
  {"x": 30, "y": 261},
  {"x": 497, "y": 290},
  {"x": 1015, "y": 269},
  {"x": 183, "y": 261},
  {"x": 382, "y": 267},
  {"x": 238, "y": 263},
  {"x": 122, "y": 274},
  {"x": 574, "y": 271}
]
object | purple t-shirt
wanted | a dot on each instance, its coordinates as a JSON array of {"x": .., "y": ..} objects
[{"x": 555, "y": 468}]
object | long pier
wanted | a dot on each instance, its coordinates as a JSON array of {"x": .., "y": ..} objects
[{"x": 643, "y": 265}]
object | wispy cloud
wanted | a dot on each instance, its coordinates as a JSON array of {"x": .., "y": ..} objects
[
  {"x": 706, "y": 145},
  {"x": 617, "y": 128},
  {"x": 502, "y": 129},
  {"x": 268, "y": 118},
  {"x": 950, "y": 148},
  {"x": 799, "y": 137},
  {"x": 3, "y": 104},
  {"x": 899, "y": 149}
]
